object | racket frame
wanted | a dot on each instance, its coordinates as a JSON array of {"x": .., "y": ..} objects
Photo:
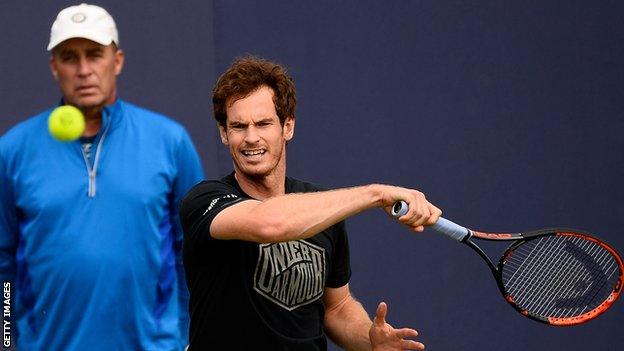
[
  {"x": 518, "y": 239},
  {"x": 458, "y": 233}
]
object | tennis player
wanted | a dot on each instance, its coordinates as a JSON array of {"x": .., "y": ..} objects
[
  {"x": 90, "y": 241},
  {"x": 266, "y": 255}
]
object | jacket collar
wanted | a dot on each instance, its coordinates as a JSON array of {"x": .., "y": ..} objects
[{"x": 111, "y": 114}]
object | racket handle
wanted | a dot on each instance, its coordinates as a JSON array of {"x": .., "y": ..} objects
[{"x": 442, "y": 226}]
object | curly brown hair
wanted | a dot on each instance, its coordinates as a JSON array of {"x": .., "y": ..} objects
[{"x": 245, "y": 76}]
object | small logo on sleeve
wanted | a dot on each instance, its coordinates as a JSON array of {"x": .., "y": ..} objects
[{"x": 215, "y": 201}]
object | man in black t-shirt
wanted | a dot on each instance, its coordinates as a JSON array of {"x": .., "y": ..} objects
[{"x": 267, "y": 256}]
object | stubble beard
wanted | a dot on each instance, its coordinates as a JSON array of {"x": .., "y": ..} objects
[{"x": 260, "y": 175}]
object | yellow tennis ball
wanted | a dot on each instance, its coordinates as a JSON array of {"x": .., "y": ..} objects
[{"x": 66, "y": 123}]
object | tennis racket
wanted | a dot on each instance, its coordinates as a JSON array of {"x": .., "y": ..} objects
[{"x": 557, "y": 276}]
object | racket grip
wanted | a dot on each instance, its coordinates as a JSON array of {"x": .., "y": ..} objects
[
  {"x": 442, "y": 226},
  {"x": 450, "y": 229}
]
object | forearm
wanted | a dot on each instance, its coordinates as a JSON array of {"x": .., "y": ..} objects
[
  {"x": 348, "y": 326},
  {"x": 299, "y": 216},
  {"x": 293, "y": 216}
]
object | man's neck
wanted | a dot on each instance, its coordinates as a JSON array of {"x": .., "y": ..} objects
[
  {"x": 263, "y": 187},
  {"x": 93, "y": 117},
  {"x": 93, "y": 123}
]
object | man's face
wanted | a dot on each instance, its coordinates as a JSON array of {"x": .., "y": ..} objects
[
  {"x": 254, "y": 135},
  {"x": 86, "y": 72}
]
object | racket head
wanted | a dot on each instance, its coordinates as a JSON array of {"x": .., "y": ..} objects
[{"x": 561, "y": 277}]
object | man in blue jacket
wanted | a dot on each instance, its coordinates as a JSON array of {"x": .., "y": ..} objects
[{"x": 89, "y": 234}]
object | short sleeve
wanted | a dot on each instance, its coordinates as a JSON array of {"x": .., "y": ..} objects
[
  {"x": 340, "y": 268},
  {"x": 202, "y": 204}
]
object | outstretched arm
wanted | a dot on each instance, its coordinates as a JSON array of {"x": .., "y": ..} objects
[
  {"x": 348, "y": 325},
  {"x": 299, "y": 216}
]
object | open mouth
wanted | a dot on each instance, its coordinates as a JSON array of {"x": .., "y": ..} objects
[{"x": 253, "y": 153}]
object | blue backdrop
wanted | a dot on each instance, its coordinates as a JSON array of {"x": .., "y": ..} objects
[{"x": 508, "y": 115}]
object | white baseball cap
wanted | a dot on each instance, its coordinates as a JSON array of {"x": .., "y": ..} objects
[{"x": 84, "y": 21}]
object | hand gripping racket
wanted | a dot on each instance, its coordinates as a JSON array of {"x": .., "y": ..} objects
[{"x": 556, "y": 276}]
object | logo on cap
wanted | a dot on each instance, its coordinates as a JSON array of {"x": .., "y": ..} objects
[{"x": 79, "y": 17}]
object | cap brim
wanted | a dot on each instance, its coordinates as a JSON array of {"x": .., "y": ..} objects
[{"x": 96, "y": 37}]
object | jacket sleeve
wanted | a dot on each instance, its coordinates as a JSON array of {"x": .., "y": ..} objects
[{"x": 189, "y": 173}]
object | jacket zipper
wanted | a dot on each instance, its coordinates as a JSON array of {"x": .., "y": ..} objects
[{"x": 92, "y": 171}]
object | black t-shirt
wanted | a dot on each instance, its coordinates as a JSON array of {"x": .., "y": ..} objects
[{"x": 250, "y": 296}]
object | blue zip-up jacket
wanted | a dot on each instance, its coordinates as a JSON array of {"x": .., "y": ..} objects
[{"x": 91, "y": 247}]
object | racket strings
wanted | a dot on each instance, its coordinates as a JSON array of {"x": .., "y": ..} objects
[
  {"x": 527, "y": 275},
  {"x": 570, "y": 287},
  {"x": 522, "y": 264},
  {"x": 562, "y": 276},
  {"x": 560, "y": 282},
  {"x": 559, "y": 276},
  {"x": 543, "y": 289},
  {"x": 572, "y": 299},
  {"x": 569, "y": 300},
  {"x": 529, "y": 283}
]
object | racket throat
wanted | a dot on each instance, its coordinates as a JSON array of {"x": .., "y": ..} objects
[{"x": 478, "y": 250}]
